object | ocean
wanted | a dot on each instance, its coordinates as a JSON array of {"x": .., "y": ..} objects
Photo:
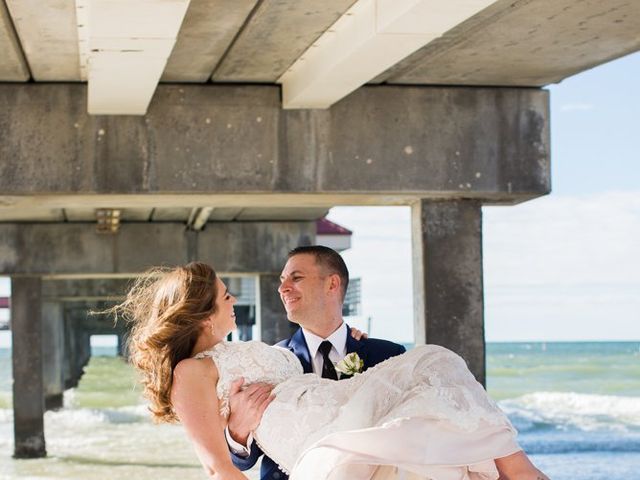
[{"x": 576, "y": 406}]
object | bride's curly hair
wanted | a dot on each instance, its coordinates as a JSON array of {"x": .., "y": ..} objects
[{"x": 166, "y": 308}]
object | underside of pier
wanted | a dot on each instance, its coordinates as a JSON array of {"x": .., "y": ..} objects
[{"x": 138, "y": 134}]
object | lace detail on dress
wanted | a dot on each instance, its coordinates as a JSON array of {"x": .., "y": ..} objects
[
  {"x": 429, "y": 383},
  {"x": 254, "y": 361},
  {"x": 387, "y": 415}
]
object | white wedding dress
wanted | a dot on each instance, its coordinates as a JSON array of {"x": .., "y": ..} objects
[{"x": 420, "y": 415}]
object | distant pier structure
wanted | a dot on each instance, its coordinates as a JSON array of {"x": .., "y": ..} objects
[{"x": 133, "y": 136}]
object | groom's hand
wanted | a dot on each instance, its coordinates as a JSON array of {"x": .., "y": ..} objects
[{"x": 246, "y": 408}]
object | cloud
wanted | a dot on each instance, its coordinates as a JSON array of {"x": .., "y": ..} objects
[
  {"x": 561, "y": 268},
  {"x": 564, "y": 241},
  {"x": 568, "y": 266}
]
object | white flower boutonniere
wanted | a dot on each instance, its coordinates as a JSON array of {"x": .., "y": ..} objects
[{"x": 350, "y": 365}]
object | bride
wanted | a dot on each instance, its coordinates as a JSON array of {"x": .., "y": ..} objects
[{"x": 420, "y": 415}]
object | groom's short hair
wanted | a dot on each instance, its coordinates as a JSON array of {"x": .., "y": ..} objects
[{"x": 327, "y": 258}]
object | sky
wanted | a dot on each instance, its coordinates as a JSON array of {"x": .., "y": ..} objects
[{"x": 563, "y": 267}]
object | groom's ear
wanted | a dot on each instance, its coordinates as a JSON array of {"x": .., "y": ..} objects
[{"x": 335, "y": 283}]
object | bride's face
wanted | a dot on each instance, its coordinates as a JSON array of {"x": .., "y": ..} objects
[{"x": 224, "y": 320}]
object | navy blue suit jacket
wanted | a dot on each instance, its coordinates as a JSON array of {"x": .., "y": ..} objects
[{"x": 372, "y": 351}]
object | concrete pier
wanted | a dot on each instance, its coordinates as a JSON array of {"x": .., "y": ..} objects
[
  {"x": 28, "y": 383},
  {"x": 224, "y": 175},
  {"x": 77, "y": 346},
  {"x": 275, "y": 325},
  {"x": 52, "y": 328},
  {"x": 53, "y": 354},
  {"x": 448, "y": 292}
]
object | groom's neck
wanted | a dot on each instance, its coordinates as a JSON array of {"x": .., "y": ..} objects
[{"x": 324, "y": 327}]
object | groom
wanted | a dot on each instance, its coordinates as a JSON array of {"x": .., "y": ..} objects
[{"x": 313, "y": 285}]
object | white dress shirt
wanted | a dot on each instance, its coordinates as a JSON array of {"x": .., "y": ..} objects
[
  {"x": 338, "y": 341},
  {"x": 338, "y": 351}
]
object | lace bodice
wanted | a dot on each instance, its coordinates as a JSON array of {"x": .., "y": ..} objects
[{"x": 254, "y": 361}]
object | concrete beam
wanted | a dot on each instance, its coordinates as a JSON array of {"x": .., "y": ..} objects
[
  {"x": 364, "y": 42},
  {"x": 13, "y": 67},
  {"x": 49, "y": 36},
  {"x": 524, "y": 43},
  {"x": 28, "y": 389},
  {"x": 380, "y": 144},
  {"x": 276, "y": 35},
  {"x": 129, "y": 45},
  {"x": 72, "y": 250},
  {"x": 447, "y": 271},
  {"x": 85, "y": 290},
  {"x": 86, "y": 317},
  {"x": 207, "y": 31}
]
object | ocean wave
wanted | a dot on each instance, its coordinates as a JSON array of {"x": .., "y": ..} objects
[
  {"x": 573, "y": 411},
  {"x": 91, "y": 416},
  {"x": 566, "y": 443}
]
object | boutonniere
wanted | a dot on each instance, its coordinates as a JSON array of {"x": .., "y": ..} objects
[{"x": 350, "y": 365}]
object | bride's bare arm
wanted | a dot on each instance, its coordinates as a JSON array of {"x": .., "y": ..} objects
[{"x": 194, "y": 399}]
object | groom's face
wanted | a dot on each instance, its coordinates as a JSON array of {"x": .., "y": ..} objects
[{"x": 302, "y": 287}]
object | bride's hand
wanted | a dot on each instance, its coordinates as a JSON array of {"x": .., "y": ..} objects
[{"x": 357, "y": 334}]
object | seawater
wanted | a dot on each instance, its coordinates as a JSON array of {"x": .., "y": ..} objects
[{"x": 576, "y": 406}]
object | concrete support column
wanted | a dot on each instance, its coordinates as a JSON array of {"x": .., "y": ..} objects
[
  {"x": 447, "y": 272},
  {"x": 84, "y": 344},
  {"x": 53, "y": 354},
  {"x": 123, "y": 351},
  {"x": 77, "y": 345},
  {"x": 28, "y": 390},
  {"x": 70, "y": 379},
  {"x": 275, "y": 326}
]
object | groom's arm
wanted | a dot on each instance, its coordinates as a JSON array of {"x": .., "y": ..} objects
[
  {"x": 246, "y": 409},
  {"x": 244, "y": 461}
]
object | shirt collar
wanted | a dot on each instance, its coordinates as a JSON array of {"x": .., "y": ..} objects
[{"x": 338, "y": 339}]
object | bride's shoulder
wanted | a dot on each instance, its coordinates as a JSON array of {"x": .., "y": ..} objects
[
  {"x": 192, "y": 378},
  {"x": 194, "y": 368},
  {"x": 254, "y": 344}
]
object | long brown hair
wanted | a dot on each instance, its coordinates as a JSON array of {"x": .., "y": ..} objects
[{"x": 167, "y": 308}]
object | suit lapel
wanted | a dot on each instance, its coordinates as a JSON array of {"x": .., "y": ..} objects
[
  {"x": 356, "y": 346},
  {"x": 298, "y": 346}
]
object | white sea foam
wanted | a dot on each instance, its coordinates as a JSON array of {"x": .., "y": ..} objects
[
  {"x": 90, "y": 416},
  {"x": 577, "y": 411},
  {"x": 6, "y": 415},
  {"x": 69, "y": 397}
]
